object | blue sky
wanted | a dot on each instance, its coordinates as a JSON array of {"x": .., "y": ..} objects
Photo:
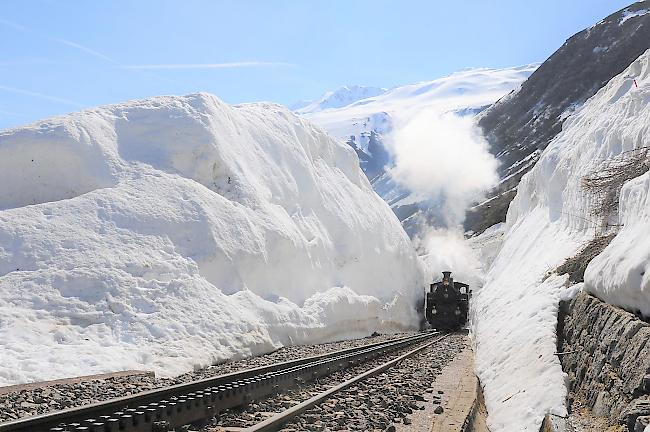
[{"x": 61, "y": 56}]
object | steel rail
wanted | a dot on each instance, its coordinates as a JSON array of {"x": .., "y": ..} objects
[
  {"x": 194, "y": 401},
  {"x": 275, "y": 422}
]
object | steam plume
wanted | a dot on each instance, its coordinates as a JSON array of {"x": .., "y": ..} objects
[{"x": 444, "y": 158}]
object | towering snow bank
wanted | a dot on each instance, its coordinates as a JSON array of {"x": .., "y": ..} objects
[
  {"x": 178, "y": 231},
  {"x": 620, "y": 275},
  {"x": 515, "y": 313}
]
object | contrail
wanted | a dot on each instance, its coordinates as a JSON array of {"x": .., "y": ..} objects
[
  {"x": 231, "y": 65},
  {"x": 85, "y": 49},
  {"x": 39, "y": 95},
  {"x": 13, "y": 24}
]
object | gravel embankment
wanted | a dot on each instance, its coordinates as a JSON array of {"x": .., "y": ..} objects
[
  {"x": 375, "y": 404},
  {"x": 51, "y": 398}
]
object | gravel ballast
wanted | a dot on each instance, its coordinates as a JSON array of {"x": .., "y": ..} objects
[
  {"x": 39, "y": 400},
  {"x": 375, "y": 404}
]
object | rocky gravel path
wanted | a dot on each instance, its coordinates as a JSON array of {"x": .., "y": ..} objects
[
  {"x": 376, "y": 404},
  {"x": 40, "y": 400}
]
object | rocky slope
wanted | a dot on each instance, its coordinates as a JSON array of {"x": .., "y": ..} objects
[{"x": 521, "y": 124}]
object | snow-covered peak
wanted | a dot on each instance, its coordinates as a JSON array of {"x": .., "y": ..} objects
[
  {"x": 466, "y": 88},
  {"x": 340, "y": 97},
  {"x": 299, "y": 104},
  {"x": 471, "y": 88}
]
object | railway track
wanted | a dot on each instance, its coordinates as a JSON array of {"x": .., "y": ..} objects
[
  {"x": 275, "y": 422},
  {"x": 194, "y": 402}
]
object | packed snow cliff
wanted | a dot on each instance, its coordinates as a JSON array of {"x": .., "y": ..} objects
[
  {"x": 549, "y": 221},
  {"x": 179, "y": 231}
]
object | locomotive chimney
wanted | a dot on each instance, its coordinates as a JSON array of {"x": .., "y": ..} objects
[{"x": 446, "y": 274}]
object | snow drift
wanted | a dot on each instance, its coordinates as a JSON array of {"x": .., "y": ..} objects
[
  {"x": 179, "y": 231},
  {"x": 547, "y": 222}
]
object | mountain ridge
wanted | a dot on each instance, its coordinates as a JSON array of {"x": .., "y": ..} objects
[
  {"x": 342, "y": 96},
  {"x": 521, "y": 124}
]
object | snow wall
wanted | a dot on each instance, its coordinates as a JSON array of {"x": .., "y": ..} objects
[
  {"x": 174, "y": 232},
  {"x": 547, "y": 222}
]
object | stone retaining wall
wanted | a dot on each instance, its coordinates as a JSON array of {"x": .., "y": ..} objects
[{"x": 605, "y": 352}]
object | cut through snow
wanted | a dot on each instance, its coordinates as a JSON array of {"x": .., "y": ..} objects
[
  {"x": 180, "y": 231},
  {"x": 545, "y": 225}
]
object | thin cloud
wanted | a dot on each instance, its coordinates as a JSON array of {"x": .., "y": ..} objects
[
  {"x": 104, "y": 57},
  {"x": 13, "y": 25},
  {"x": 85, "y": 49},
  {"x": 69, "y": 43},
  {"x": 30, "y": 62},
  {"x": 39, "y": 95},
  {"x": 233, "y": 65}
]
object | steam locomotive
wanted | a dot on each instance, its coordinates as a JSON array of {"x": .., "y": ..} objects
[{"x": 447, "y": 303}]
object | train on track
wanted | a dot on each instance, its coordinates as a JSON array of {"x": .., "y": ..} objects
[{"x": 446, "y": 304}]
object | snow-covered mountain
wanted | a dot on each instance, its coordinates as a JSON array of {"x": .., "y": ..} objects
[
  {"x": 520, "y": 125},
  {"x": 550, "y": 219},
  {"x": 338, "y": 98},
  {"x": 299, "y": 104},
  {"x": 367, "y": 124},
  {"x": 178, "y": 231}
]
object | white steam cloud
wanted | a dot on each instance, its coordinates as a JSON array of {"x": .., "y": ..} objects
[
  {"x": 445, "y": 159},
  {"x": 447, "y": 249}
]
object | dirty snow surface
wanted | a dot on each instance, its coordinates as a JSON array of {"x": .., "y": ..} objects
[
  {"x": 549, "y": 221},
  {"x": 179, "y": 231}
]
